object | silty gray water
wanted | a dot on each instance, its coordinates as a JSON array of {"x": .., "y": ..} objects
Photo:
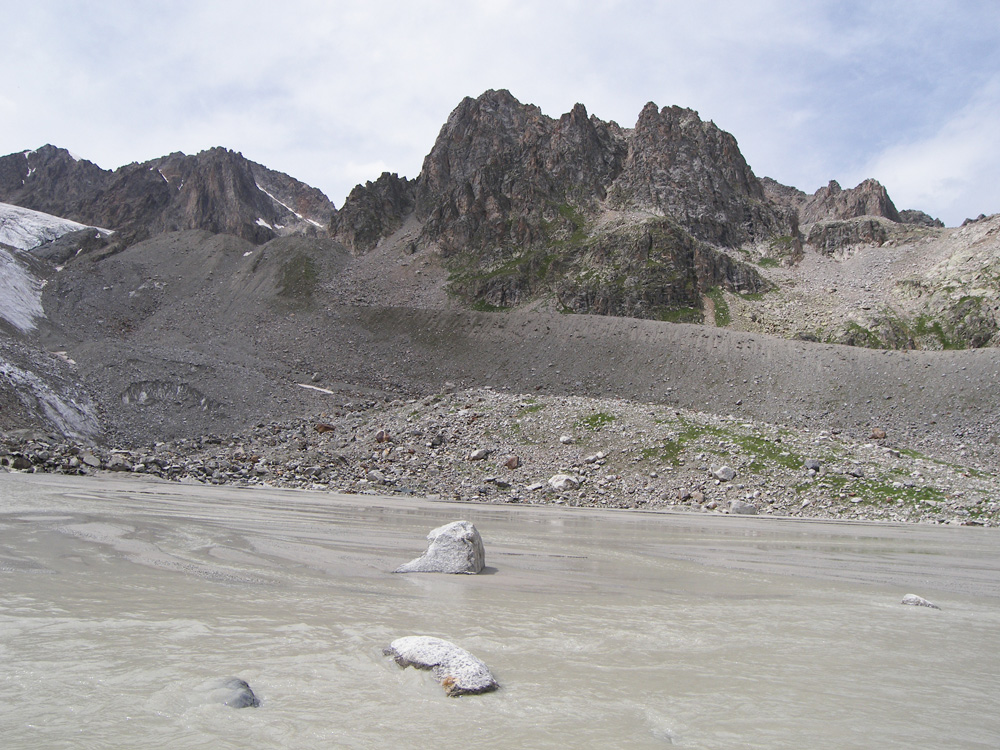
[{"x": 122, "y": 599}]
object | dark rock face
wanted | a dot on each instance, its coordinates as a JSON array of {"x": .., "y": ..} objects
[
  {"x": 694, "y": 172},
  {"x": 217, "y": 190},
  {"x": 502, "y": 173},
  {"x": 307, "y": 203},
  {"x": 648, "y": 271},
  {"x": 919, "y": 218},
  {"x": 50, "y": 179},
  {"x": 500, "y": 170},
  {"x": 517, "y": 203},
  {"x": 373, "y": 211},
  {"x": 828, "y": 236}
]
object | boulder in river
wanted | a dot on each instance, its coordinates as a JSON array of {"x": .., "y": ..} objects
[
  {"x": 918, "y": 601},
  {"x": 234, "y": 692},
  {"x": 458, "y": 671},
  {"x": 455, "y": 547}
]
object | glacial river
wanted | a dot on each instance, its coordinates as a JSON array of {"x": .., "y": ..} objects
[{"x": 121, "y": 599}]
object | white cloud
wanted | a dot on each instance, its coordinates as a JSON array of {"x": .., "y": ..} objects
[
  {"x": 322, "y": 89},
  {"x": 952, "y": 173}
]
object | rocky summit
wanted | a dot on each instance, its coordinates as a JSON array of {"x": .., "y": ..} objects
[{"x": 702, "y": 337}]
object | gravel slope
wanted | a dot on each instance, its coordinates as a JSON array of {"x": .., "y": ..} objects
[{"x": 191, "y": 335}]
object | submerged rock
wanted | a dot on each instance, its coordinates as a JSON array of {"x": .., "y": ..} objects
[
  {"x": 456, "y": 547},
  {"x": 458, "y": 671},
  {"x": 918, "y": 601},
  {"x": 234, "y": 692}
]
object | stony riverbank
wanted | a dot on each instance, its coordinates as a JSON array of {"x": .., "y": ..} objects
[{"x": 481, "y": 445}]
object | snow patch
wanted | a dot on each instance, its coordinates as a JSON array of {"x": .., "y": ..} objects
[
  {"x": 288, "y": 208},
  {"x": 73, "y": 419},
  {"x": 20, "y": 293},
  {"x": 262, "y": 223},
  {"x": 315, "y": 388},
  {"x": 23, "y": 229}
]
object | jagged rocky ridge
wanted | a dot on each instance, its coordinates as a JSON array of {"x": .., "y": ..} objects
[
  {"x": 590, "y": 217},
  {"x": 217, "y": 190},
  {"x": 573, "y": 214}
]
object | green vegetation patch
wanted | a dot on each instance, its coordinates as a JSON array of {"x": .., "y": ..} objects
[
  {"x": 596, "y": 421},
  {"x": 858, "y": 335},
  {"x": 925, "y": 326},
  {"x": 481, "y": 305},
  {"x": 765, "y": 453},
  {"x": 670, "y": 450},
  {"x": 679, "y": 315},
  {"x": 722, "y": 315},
  {"x": 298, "y": 278},
  {"x": 882, "y": 492}
]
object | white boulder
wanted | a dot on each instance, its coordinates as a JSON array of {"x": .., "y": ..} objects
[
  {"x": 724, "y": 473},
  {"x": 455, "y": 547},
  {"x": 458, "y": 671},
  {"x": 742, "y": 508},
  {"x": 918, "y": 601},
  {"x": 564, "y": 482}
]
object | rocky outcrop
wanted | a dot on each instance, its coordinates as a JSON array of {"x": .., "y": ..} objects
[
  {"x": 458, "y": 671},
  {"x": 832, "y": 204},
  {"x": 502, "y": 173},
  {"x": 650, "y": 269},
  {"x": 919, "y": 219},
  {"x": 518, "y": 204},
  {"x": 456, "y": 547},
  {"x": 869, "y": 198},
  {"x": 215, "y": 190},
  {"x": 373, "y": 211},
  {"x": 827, "y": 237}
]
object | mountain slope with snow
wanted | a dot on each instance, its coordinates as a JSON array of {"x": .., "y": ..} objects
[{"x": 23, "y": 229}]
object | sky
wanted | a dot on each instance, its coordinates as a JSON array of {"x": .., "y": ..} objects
[{"x": 334, "y": 93}]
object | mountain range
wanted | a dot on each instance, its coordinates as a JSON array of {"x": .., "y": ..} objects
[{"x": 209, "y": 288}]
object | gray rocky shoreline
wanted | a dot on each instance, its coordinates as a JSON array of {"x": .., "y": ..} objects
[{"x": 482, "y": 445}]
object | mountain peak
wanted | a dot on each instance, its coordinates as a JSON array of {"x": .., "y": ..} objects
[{"x": 218, "y": 190}]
